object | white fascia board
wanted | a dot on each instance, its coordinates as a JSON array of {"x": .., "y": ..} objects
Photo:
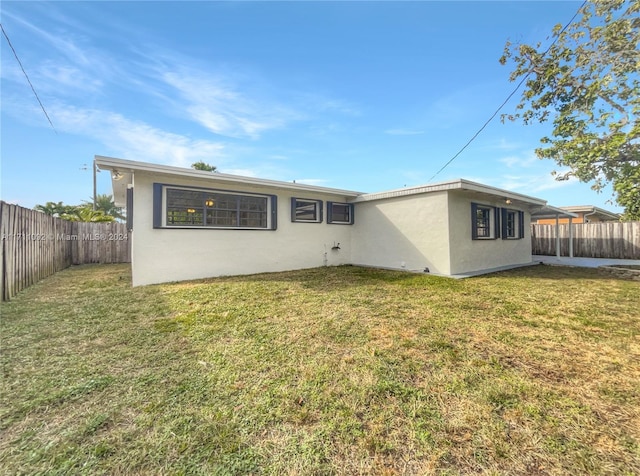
[
  {"x": 459, "y": 184},
  {"x": 551, "y": 212},
  {"x": 130, "y": 167},
  {"x": 591, "y": 209}
]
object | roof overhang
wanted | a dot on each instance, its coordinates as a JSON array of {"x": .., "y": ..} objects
[
  {"x": 459, "y": 184},
  {"x": 593, "y": 210},
  {"x": 552, "y": 212},
  {"x": 122, "y": 172}
]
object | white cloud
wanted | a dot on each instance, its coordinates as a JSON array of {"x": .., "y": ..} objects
[
  {"x": 517, "y": 161},
  {"x": 135, "y": 140},
  {"x": 217, "y": 104},
  {"x": 533, "y": 183},
  {"x": 503, "y": 144}
]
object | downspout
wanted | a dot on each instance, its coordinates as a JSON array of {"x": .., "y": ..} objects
[
  {"x": 557, "y": 235},
  {"x": 588, "y": 215}
]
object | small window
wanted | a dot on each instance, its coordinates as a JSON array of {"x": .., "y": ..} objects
[
  {"x": 484, "y": 222},
  {"x": 306, "y": 211},
  {"x": 340, "y": 213},
  {"x": 512, "y": 224}
]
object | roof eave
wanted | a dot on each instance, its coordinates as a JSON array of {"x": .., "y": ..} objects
[{"x": 123, "y": 166}]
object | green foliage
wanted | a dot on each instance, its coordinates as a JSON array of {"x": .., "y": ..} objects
[
  {"x": 200, "y": 165},
  {"x": 105, "y": 211},
  {"x": 588, "y": 84},
  {"x": 55, "y": 209},
  {"x": 105, "y": 204},
  {"x": 86, "y": 214}
]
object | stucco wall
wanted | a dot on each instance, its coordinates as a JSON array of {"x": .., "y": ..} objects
[
  {"x": 410, "y": 232},
  {"x": 469, "y": 255},
  {"x": 162, "y": 255}
]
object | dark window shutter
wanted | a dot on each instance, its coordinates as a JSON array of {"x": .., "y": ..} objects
[
  {"x": 274, "y": 212},
  {"x": 503, "y": 213},
  {"x": 157, "y": 205},
  {"x": 496, "y": 220},
  {"x": 129, "y": 209},
  {"x": 521, "y": 224}
]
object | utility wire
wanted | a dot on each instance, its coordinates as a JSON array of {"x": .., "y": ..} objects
[
  {"x": 26, "y": 76},
  {"x": 508, "y": 97}
]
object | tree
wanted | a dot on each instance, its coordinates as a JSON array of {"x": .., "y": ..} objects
[
  {"x": 87, "y": 213},
  {"x": 105, "y": 204},
  {"x": 200, "y": 165},
  {"x": 55, "y": 209},
  {"x": 588, "y": 83}
]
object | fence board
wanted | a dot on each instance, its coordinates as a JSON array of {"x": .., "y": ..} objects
[
  {"x": 35, "y": 246},
  {"x": 613, "y": 240}
]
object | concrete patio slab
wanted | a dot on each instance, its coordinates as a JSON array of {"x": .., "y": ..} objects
[{"x": 581, "y": 262}]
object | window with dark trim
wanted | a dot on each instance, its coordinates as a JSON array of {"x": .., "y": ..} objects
[
  {"x": 512, "y": 224},
  {"x": 306, "y": 210},
  {"x": 484, "y": 222},
  {"x": 339, "y": 213},
  {"x": 183, "y": 207}
]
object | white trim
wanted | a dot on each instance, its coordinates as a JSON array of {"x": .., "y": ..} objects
[
  {"x": 129, "y": 167},
  {"x": 459, "y": 184}
]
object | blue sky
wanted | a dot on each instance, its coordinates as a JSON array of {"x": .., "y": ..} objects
[{"x": 366, "y": 96}]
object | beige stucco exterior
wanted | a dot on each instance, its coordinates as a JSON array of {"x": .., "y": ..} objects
[
  {"x": 163, "y": 254},
  {"x": 415, "y": 229},
  {"x": 467, "y": 255},
  {"x": 407, "y": 232}
]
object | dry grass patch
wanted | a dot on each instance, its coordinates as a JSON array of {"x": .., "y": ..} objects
[{"x": 326, "y": 371}]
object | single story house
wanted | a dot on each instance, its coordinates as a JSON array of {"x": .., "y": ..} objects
[{"x": 188, "y": 224}]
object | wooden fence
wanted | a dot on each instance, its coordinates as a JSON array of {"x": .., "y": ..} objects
[
  {"x": 619, "y": 240},
  {"x": 35, "y": 245}
]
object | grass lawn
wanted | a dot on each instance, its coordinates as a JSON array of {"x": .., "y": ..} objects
[{"x": 325, "y": 371}]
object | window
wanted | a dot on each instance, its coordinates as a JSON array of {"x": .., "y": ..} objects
[
  {"x": 512, "y": 224},
  {"x": 306, "y": 211},
  {"x": 193, "y": 207},
  {"x": 340, "y": 213},
  {"x": 484, "y": 222}
]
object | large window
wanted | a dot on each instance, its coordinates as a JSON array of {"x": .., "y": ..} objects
[
  {"x": 183, "y": 207},
  {"x": 306, "y": 210},
  {"x": 340, "y": 213},
  {"x": 484, "y": 222}
]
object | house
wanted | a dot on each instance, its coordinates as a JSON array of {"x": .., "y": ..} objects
[
  {"x": 189, "y": 224},
  {"x": 583, "y": 214}
]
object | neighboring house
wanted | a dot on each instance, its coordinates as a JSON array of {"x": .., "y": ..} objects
[
  {"x": 189, "y": 224},
  {"x": 584, "y": 214}
]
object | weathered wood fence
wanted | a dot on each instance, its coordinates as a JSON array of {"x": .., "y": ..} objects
[
  {"x": 35, "y": 246},
  {"x": 618, "y": 240}
]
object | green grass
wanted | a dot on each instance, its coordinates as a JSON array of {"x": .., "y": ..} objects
[{"x": 326, "y": 371}]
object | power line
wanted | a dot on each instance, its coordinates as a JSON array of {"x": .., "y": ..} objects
[
  {"x": 26, "y": 76},
  {"x": 508, "y": 97}
]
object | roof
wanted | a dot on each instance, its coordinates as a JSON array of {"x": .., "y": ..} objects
[
  {"x": 592, "y": 210},
  {"x": 459, "y": 184},
  {"x": 552, "y": 212},
  {"x": 122, "y": 176}
]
